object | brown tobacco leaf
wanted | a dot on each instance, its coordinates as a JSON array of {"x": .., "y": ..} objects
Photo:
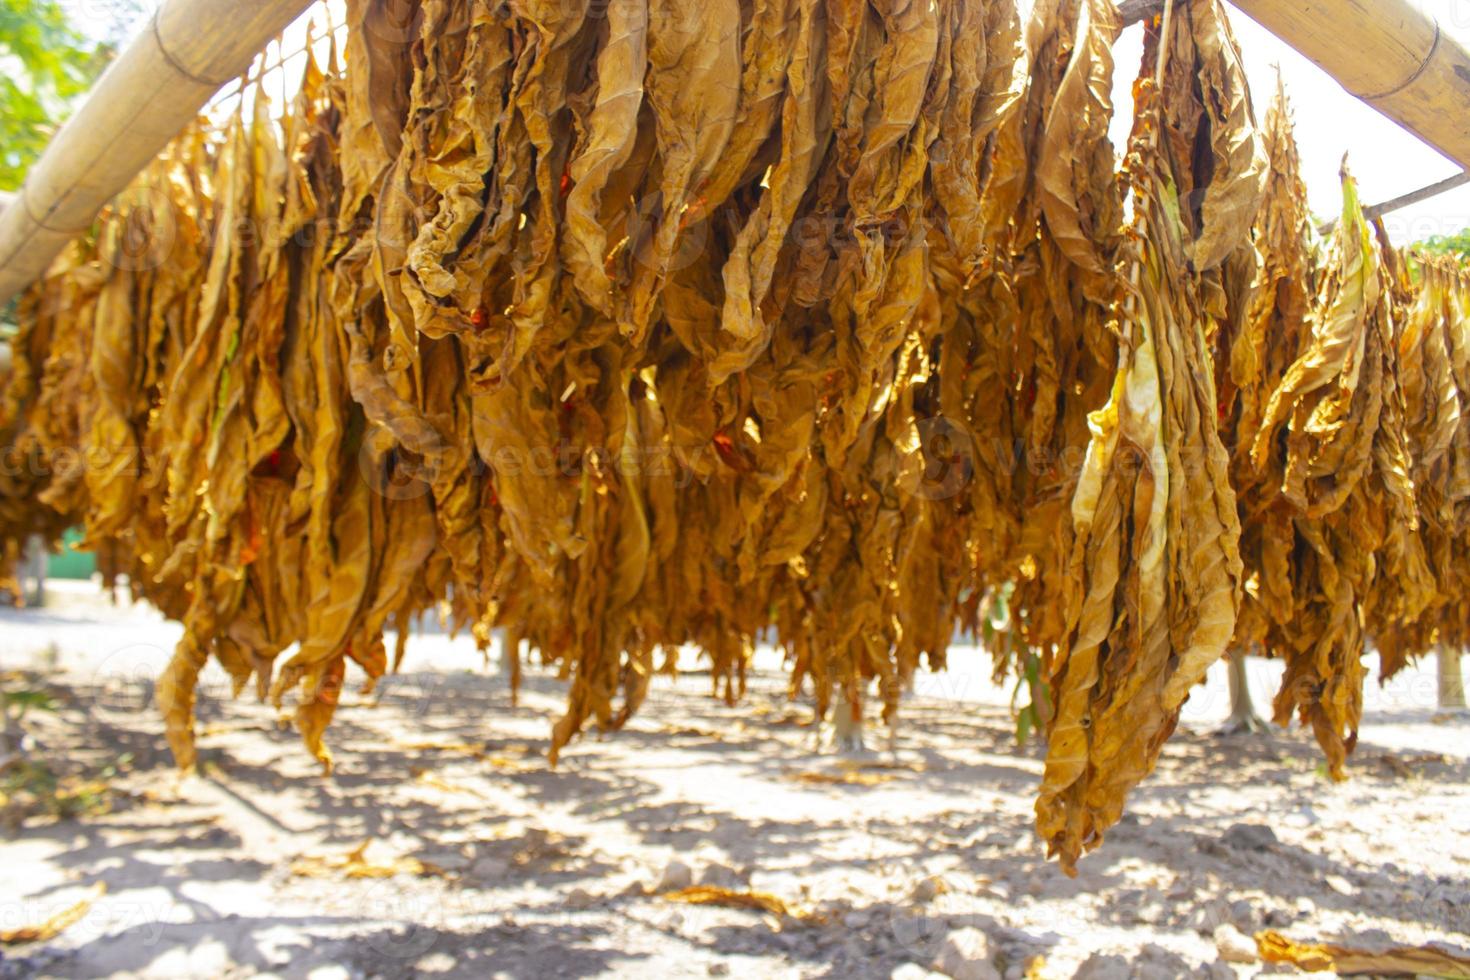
[
  {"x": 1328, "y": 397},
  {"x": 1434, "y": 352},
  {"x": 1334, "y": 430},
  {"x": 1050, "y": 345},
  {"x": 1156, "y": 552},
  {"x": 1217, "y": 156},
  {"x": 1271, "y": 336},
  {"x": 1075, "y": 173}
]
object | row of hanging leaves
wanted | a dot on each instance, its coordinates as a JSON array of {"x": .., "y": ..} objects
[{"x": 624, "y": 326}]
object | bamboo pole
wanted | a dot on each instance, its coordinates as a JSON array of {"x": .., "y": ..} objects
[
  {"x": 1130, "y": 12},
  {"x": 1408, "y": 200},
  {"x": 189, "y": 51},
  {"x": 1389, "y": 53}
]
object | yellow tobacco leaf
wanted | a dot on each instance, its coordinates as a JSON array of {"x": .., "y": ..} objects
[
  {"x": 1430, "y": 961},
  {"x": 846, "y": 778},
  {"x": 354, "y": 864},
  {"x": 54, "y": 926},
  {"x": 730, "y": 898}
]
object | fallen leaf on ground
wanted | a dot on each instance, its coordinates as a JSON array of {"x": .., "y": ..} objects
[
  {"x": 690, "y": 731},
  {"x": 729, "y": 898},
  {"x": 58, "y": 923},
  {"x": 476, "y": 749},
  {"x": 426, "y": 778},
  {"x": 1407, "y": 766},
  {"x": 880, "y": 765},
  {"x": 848, "y": 777},
  {"x": 1348, "y": 960},
  {"x": 506, "y": 764},
  {"x": 354, "y": 864},
  {"x": 504, "y": 760},
  {"x": 787, "y": 718}
]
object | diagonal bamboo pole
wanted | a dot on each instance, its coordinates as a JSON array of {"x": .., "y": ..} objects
[
  {"x": 190, "y": 49},
  {"x": 1408, "y": 200}
]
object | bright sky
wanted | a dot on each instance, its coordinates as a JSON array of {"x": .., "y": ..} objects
[{"x": 1387, "y": 160}]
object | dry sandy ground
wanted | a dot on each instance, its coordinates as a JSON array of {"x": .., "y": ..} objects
[{"x": 539, "y": 873}]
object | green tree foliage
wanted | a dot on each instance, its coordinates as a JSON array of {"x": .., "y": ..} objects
[
  {"x": 1457, "y": 244},
  {"x": 46, "y": 65}
]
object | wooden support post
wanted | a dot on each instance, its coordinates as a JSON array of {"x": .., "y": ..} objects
[
  {"x": 1243, "y": 719},
  {"x": 1451, "y": 680}
]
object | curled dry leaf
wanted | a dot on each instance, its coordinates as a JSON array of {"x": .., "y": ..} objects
[
  {"x": 355, "y": 864},
  {"x": 57, "y": 924},
  {"x": 1349, "y": 960},
  {"x": 735, "y": 899}
]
